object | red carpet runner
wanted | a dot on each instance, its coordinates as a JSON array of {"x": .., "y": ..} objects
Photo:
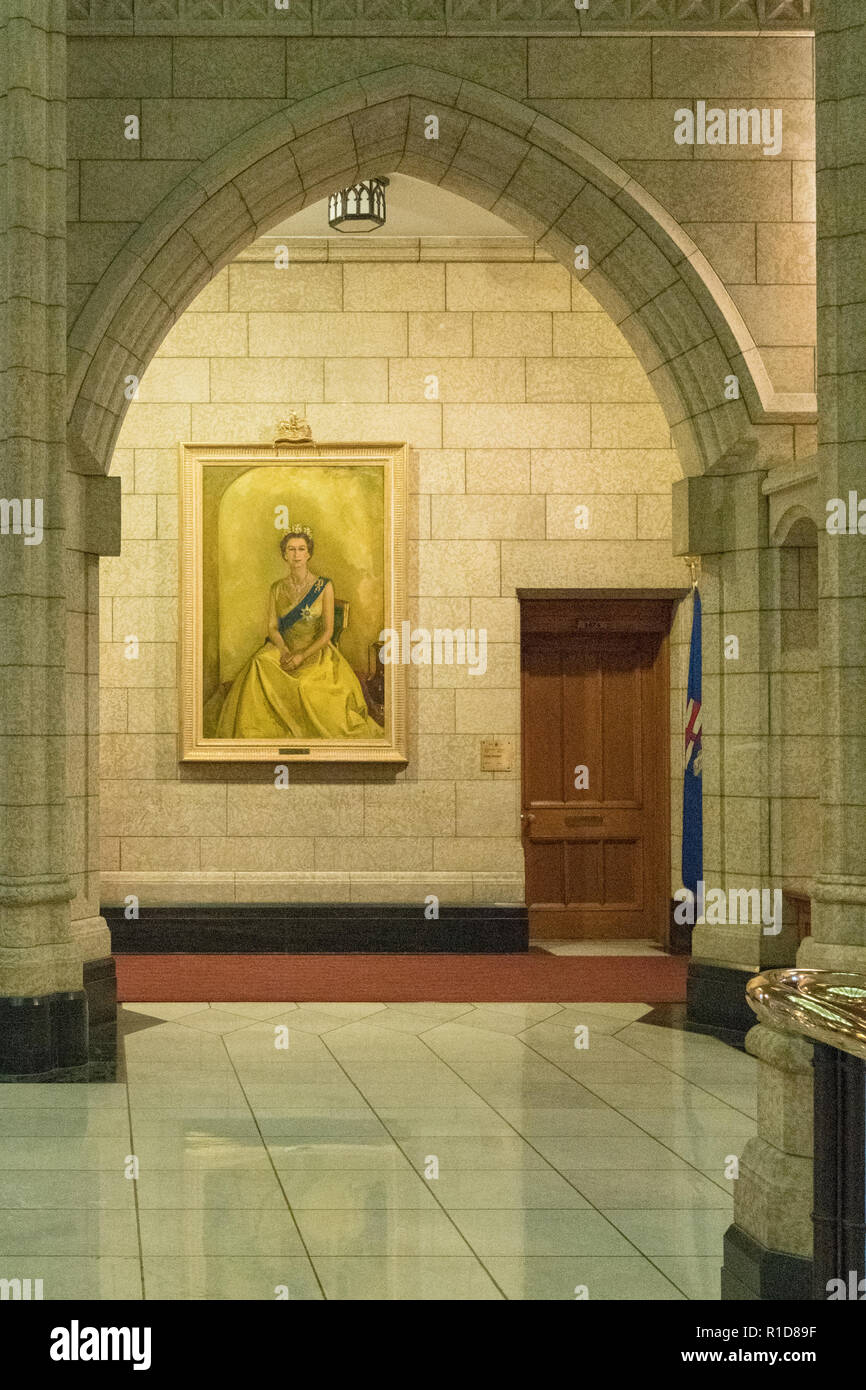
[{"x": 535, "y": 978}]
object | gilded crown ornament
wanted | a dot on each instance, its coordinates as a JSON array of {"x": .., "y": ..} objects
[{"x": 293, "y": 431}]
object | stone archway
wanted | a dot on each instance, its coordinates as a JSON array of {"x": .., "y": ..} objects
[
  {"x": 551, "y": 185},
  {"x": 544, "y": 179}
]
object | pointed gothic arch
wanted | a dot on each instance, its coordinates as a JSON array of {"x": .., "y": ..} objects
[{"x": 542, "y": 178}]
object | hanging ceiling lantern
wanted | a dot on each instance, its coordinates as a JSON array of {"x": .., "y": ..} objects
[{"x": 360, "y": 208}]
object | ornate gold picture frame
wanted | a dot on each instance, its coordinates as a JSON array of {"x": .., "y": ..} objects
[{"x": 292, "y": 562}]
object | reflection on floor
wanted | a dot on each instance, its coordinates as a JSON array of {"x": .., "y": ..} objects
[{"x": 416, "y": 1151}]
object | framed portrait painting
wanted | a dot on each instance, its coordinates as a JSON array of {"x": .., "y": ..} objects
[{"x": 293, "y": 566}]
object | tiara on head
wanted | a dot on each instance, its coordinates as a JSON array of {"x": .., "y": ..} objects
[{"x": 297, "y": 531}]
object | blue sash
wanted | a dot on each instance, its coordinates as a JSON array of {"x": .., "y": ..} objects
[{"x": 290, "y": 618}]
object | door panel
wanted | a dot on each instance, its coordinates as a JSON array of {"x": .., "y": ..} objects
[
  {"x": 596, "y": 856},
  {"x": 619, "y": 667}
]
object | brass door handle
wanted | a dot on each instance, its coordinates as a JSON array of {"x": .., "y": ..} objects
[{"x": 527, "y": 816}]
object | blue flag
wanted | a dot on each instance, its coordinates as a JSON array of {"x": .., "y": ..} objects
[{"x": 693, "y": 810}]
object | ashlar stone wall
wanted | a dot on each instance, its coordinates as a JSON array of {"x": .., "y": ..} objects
[
  {"x": 543, "y": 406},
  {"x": 750, "y": 214}
]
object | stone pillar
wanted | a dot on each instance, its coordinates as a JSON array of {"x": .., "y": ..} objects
[
  {"x": 768, "y": 1250},
  {"x": 93, "y": 529},
  {"x": 43, "y": 1016},
  {"x": 839, "y": 908},
  {"x": 722, "y": 516}
]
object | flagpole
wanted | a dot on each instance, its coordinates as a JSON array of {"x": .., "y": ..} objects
[{"x": 692, "y": 827}]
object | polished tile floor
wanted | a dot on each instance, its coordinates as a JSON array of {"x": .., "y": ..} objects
[{"x": 372, "y": 1151}]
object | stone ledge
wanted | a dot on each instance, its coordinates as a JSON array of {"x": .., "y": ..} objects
[
  {"x": 413, "y": 249},
  {"x": 407, "y": 891}
]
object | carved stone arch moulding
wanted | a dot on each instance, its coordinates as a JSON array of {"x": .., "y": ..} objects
[
  {"x": 369, "y": 18},
  {"x": 542, "y": 178},
  {"x": 792, "y": 494}
]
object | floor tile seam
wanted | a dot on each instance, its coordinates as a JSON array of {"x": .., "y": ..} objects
[
  {"x": 440, "y": 1061},
  {"x": 413, "y": 1169},
  {"x": 5, "y": 1211},
  {"x": 719, "y": 1182},
  {"x": 722, "y": 1138},
  {"x": 652, "y": 1260},
  {"x": 141, "y": 1276},
  {"x": 487, "y": 1104},
  {"x": 552, "y": 1063},
  {"x": 647, "y": 1056},
  {"x": 673, "y": 1075},
  {"x": 442, "y": 1208},
  {"x": 384, "y": 1061},
  {"x": 505, "y": 1121},
  {"x": 493, "y": 1005},
  {"x": 747, "y": 1075},
  {"x": 275, "y": 1172},
  {"x": 713, "y": 1096},
  {"x": 591, "y": 1210},
  {"x": 60, "y": 1136},
  {"x": 690, "y": 1166},
  {"x": 669, "y": 1172},
  {"x": 562, "y": 1175},
  {"x": 473, "y": 1009},
  {"x": 473, "y": 1254},
  {"x": 523, "y": 1258},
  {"x": 441, "y": 1024},
  {"x": 618, "y": 1111},
  {"x": 685, "y": 1206},
  {"x": 663, "y": 1212}
]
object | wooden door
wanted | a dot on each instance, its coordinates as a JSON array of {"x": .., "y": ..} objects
[{"x": 595, "y": 807}]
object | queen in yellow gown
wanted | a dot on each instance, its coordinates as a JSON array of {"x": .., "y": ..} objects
[{"x": 297, "y": 685}]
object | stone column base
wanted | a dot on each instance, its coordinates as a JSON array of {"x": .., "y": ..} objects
[
  {"x": 716, "y": 1002},
  {"x": 66, "y": 1036},
  {"x": 44, "y": 1037},
  {"x": 100, "y": 984},
  {"x": 752, "y": 1271}
]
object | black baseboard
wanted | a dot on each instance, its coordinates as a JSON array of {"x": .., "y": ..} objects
[
  {"x": 840, "y": 1174},
  {"x": 100, "y": 986},
  {"x": 318, "y": 928},
  {"x": 716, "y": 1002},
  {"x": 679, "y": 933},
  {"x": 753, "y": 1272},
  {"x": 44, "y": 1037}
]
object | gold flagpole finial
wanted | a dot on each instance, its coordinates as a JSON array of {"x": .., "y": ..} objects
[{"x": 693, "y": 562}]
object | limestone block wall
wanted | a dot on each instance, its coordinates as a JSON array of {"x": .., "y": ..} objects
[
  {"x": 751, "y": 215},
  {"x": 773, "y": 1198},
  {"x": 795, "y": 717},
  {"x": 761, "y": 711},
  {"x": 543, "y": 406}
]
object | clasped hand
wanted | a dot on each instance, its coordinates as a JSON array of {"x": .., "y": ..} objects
[{"x": 290, "y": 662}]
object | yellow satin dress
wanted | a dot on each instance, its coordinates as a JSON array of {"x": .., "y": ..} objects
[{"x": 321, "y": 698}]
